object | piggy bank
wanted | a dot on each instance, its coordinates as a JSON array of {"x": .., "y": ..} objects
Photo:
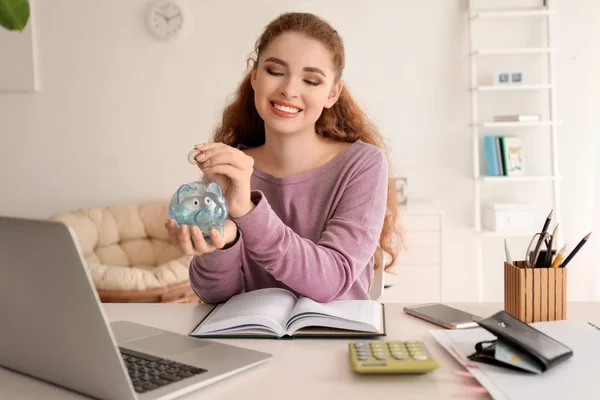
[{"x": 201, "y": 204}]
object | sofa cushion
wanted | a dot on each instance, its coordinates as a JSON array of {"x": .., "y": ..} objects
[{"x": 126, "y": 246}]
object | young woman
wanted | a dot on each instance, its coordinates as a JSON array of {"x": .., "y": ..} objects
[{"x": 305, "y": 175}]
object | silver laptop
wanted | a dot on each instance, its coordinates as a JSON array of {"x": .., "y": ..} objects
[{"x": 53, "y": 327}]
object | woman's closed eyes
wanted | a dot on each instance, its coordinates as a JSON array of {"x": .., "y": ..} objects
[{"x": 307, "y": 81}]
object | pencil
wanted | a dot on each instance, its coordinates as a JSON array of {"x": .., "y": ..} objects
[
  {"x": 548, "y": 261},
  {"x": 547, "y": 223},
  {"x": 575, "y": 250},
  {"x": 544, "y": 229},
  {"x": 559, "y": 257}
]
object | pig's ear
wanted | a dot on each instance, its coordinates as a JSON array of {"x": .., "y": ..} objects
[
  {"x": 214, "y": 187},
  {"x": 183, "y": 190}
]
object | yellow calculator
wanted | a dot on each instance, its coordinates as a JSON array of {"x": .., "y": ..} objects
[{"x": 391, "y": 357}]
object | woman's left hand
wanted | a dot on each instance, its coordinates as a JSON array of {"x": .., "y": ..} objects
[{"x": 232, "y": 170}]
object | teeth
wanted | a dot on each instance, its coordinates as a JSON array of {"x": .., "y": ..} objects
[{"x": 290, "y": 110}]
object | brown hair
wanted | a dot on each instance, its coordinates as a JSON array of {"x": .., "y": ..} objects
[{"x": 344, "y": 121}]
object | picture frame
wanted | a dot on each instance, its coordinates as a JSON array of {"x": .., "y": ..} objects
[
  {"x": 509, "y": 77},
  {"x": 18, "y": 69},
  {"x": 401, "y": 189}
]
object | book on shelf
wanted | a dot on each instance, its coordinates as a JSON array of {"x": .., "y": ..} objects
[
  {"x": 503, "y": 155},
  {"x": 517, "y": 118},
  {"x": 278, "y": 313}
]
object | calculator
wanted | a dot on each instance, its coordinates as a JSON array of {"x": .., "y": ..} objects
[{"x": 391, "y": 357}]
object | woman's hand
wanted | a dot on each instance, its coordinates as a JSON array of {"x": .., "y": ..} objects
[
  {"x": 232, "y": 170},
  {"x": 191, "y": 241}
]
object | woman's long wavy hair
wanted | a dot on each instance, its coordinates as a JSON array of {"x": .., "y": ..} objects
[{"x": 344, "y": 121}]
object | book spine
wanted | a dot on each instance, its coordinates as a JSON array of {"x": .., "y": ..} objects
[
  {"x": 491, "y": 156},
  {"x": 500, "y": 152}
]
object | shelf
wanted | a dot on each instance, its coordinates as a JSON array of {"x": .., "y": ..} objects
[
  {"x": 498, "y": 88},
  {"x": 505, "y": 234},
  {"x": 511, "y": 13},
  {"x": 516, "y": 124},
  {"x": 513, "y": 51},
  {"x": 508, "y": 179}
]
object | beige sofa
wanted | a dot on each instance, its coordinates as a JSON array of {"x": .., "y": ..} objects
[{"x": 128, "y": 254}]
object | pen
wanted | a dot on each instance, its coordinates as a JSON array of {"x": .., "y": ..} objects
[
  {"x": 576, "y": 249},
  {"x": 559, "y": 257}
]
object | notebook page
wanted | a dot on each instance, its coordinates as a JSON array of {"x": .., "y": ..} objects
[
  {"x": 572, "y": 379},
  {"x": 367, "y": 312},
  {"x": 251, "y": 307}
]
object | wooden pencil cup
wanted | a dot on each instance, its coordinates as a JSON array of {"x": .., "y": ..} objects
[{"x": 535, "y": 294}]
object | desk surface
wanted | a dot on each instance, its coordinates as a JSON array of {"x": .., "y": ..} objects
[{"x": 301, "y": 368}]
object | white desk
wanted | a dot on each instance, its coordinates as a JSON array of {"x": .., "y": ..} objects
[{"x": 301, "y": 368}]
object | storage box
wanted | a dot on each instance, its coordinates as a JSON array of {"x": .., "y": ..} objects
[
  {"x": 509, "y": 218},
  {"x": 535, "y": 294}
]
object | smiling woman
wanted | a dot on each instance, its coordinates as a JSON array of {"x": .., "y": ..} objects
[{"x": 305, "y": 175}]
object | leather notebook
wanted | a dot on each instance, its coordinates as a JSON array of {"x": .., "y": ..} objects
[{"x": 518, "y": 345}]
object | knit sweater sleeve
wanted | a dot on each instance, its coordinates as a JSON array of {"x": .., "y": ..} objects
[{"x": 217, "y": 276}]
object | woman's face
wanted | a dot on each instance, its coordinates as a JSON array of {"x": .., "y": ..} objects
[{"x": 293, "y": 81}]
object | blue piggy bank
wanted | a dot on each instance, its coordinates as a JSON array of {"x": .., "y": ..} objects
[{"x": 201, "y": 204}]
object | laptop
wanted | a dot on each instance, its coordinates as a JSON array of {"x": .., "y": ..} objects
[{"x": 53, "y": 327}]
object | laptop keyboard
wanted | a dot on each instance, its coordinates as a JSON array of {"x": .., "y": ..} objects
[{"x": 148, "y": 372}]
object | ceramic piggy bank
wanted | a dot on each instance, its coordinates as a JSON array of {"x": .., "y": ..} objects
[{"x": 201, "y": 204}]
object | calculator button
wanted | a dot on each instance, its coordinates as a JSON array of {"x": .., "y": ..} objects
[
  {"x": 360, "y": 345},
  {"x": 362, "y": 357},
  {"x": 420, "y": 357},
  {"x": 400, "y": 356}
]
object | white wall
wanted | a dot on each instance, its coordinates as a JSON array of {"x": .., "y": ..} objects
[
  {"x": 117, "y": 111},
  {"x": 594, "y": 278}
]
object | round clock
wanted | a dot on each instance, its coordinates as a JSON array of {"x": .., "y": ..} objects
[{"x": 165, "y": 19}]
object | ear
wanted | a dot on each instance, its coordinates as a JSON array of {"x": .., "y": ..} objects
[
  {"x": 253, "y": 76},
  {"x": 183, "y": 190},
  {"x": 214, "y": 187},
  {"x": 335, "y": 93}
]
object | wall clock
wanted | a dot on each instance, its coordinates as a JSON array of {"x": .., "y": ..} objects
[{"x": 165, "y": 19}]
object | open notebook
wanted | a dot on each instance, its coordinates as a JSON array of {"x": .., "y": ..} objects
[
  {"x": 278, "y": 313},
  {"x": 575, "y": 378}
]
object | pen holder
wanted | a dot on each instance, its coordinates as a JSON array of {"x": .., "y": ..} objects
[{"x": 535, "y": 294}]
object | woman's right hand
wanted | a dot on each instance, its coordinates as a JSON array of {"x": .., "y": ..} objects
[{"x": 192, "y": 243}]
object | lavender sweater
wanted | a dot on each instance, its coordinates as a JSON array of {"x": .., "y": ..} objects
[{"x": 314, "y": 233}]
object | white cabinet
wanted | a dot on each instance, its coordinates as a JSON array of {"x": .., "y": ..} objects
[{"x": 416, "y": 276}]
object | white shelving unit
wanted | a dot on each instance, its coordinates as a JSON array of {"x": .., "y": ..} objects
[{"x": 477, "y": 16}]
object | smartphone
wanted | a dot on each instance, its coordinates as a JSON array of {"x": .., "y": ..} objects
[{"x": 443, "y": 315}]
